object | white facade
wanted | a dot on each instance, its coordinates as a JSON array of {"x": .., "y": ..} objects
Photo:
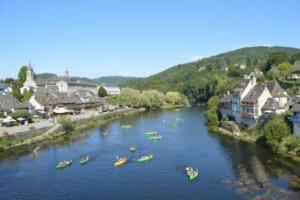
[
  {"x": 112, "y": 90},
  {"x": 262, "y": 99},
  {"x": 62, "y": 86},
  {"x": 35, "y": 104}
]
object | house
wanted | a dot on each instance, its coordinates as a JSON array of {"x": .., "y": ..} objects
[
  {"x": 112, "y": 90},
  {"x": 247, "y": 84},
  {"x": 5, "y": 89},
  {"x": 254, "y": 101},
  {"x": 48, "y": 101},
  {"x": 45, "y": 101},
  {"x": 9, "y": 103}
]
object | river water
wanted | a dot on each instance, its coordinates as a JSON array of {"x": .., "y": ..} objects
[{"x": 228, "y": 169}]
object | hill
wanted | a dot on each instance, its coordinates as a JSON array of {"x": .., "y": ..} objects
[
  {"x": 203, "y": 78},
  {"x": 45, "y": 75},
  {"x": 107, "y": 80},
  {"x": 114, "y": 80}
]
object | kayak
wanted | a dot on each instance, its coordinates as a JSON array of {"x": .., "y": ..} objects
[
  {"x": 145, "y": 158},
  {"x": 63, "y": 164},
  {"x": 192, "y": 174},
  {"x": 121, "y": 161},
  {"x": 126, "y": 126},
  {"x": 84, "y": 160},
  {"x": 156, "y": 137},
  {"x": 179, "y": 119},
  {"x": 151, "y": 133},
  {"x": 173, "y": 125},
  {"x": 132, "y": 148}
]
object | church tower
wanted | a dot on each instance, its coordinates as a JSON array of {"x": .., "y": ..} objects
[
  {"x": 67, "y": 73},
  {"x": 29, "y": 83},
  {"x": 29, "y": 74}
]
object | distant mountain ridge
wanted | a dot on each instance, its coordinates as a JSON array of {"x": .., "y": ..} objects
[{"x": 106, "y": 80}]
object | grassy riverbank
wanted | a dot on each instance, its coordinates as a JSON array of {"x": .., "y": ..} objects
[{"x": 10, "y": 143}]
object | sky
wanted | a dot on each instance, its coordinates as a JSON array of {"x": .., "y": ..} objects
[{"x": 96, "y": 38}]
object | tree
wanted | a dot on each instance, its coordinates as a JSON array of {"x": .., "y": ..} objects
[
  {"x": 21, "y": 113},
  {"x": 285, "y": 69},
  {"x": 275, "y": 130},
  {"x": 9, "y": 81},
  {"x": 22, "y": 74},
  {"x": 212, "y": 113},
  {"x": 275, "y": 59},
  {"x": 153, "y": 98},
  {"x": 130, "y": 97},
  {"x": 295, "y": 57},
  {"x": 234, "y": 71},
  {"x": 102, "y": 92},
  {"x": 27, "y": 95},
  {"x": 173, "y": 98},
  {"x": 67, "y": 124}
]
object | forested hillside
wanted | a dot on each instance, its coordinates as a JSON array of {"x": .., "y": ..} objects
[{"x": 201, "y": 79}]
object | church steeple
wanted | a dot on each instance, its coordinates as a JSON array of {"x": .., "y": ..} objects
[{"x": 67, "y": 73}]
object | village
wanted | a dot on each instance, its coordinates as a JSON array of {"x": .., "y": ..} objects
[
  {"x": 255, "y": 101},
  {"x": 50, "y": 99}
]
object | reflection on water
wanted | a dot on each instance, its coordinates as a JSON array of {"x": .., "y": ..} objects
[{"x": 254, "y": 167}]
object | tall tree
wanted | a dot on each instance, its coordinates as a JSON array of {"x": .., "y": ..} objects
[
  {"x": 22, "y": 74},
  {"x": 102, "y": 92}
]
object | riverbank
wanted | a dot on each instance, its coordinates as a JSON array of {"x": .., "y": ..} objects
[
  {"x": 246, "y": 138},
  {"x": 11, "y": 142}
]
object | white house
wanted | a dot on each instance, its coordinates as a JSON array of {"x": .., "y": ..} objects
[{"x": 112, "y": 90}]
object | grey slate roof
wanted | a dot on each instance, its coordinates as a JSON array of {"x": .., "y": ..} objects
[
  {"x": 271, "y": 104},
  {"x": 9, "y": 102},
  {"x": 255, "y": 93},
  {"x": 57, "y": 98},
  {"x": 273, "y": 87},
  {"x": 238, "y": 91}
]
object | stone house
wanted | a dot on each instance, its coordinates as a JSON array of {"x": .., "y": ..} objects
[{"x": 9, "y": 103}]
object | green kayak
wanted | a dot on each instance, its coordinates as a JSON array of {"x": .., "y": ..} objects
[
  {"x": 126, "y": 126},
  {"x": 145, "y": 158},
  {"x": 156, "y": 137},
  {"x": 151, "y": 133},
  {"x": 63, "y": 164},
  {"x": 192, "y": 173},
  {"x": 84, "y": 160}
]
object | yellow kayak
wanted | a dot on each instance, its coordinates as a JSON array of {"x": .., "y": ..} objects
[{"x": 121, "y": 161}]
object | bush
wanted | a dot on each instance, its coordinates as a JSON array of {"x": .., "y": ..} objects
[
  {"x": 102, "y": 92},
  {"x": 74, "y": 107},
  {"x": 275, "y": 131},
  {"x": 66, "y": 123},
  {"x": 21, "y": 113}
]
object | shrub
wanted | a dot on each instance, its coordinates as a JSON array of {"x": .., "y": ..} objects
[
  {"x": 102, "y": 92},
  {"x": 66, "y": 123},
  {"x": 275, "y": 130},
  {"x": 21, "y": 113}
]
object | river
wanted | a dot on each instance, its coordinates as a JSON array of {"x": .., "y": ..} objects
[{"x": 229, "y": 169}]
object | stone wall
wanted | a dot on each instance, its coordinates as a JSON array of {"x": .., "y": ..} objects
[{"x": 231, "y": 127}]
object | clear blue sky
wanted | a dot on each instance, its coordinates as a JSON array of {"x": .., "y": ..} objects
[{"x": 136, "y": 37}]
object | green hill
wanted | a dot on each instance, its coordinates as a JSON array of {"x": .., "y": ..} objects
[
  {"x": 45, "y": 75},
  {"x": 114, "y": 80},
  {"x": 201, "y": 79}
]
